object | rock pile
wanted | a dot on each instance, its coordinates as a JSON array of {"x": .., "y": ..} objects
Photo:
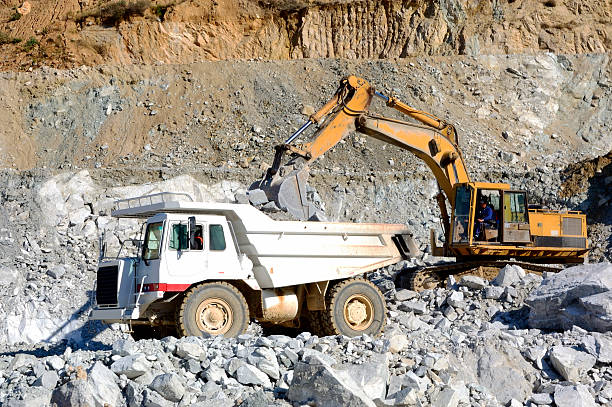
[
  {"x": 580, "y": 296},
  {"x": 442, "y": 347}
]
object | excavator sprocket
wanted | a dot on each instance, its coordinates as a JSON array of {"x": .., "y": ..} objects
[{"x": 430, "y": 277}]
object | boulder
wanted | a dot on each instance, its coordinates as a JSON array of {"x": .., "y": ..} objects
[
  {"x": 48, "y": 380},
  {"x": 188, "y": 350},
  {"x": 405, "y": 295},
  {"x": 509, "y": 275},
  {"x": 257, "y": 197},
  {"x": 451, "y": 396},
  {"x": 570, "y": 363},
  {"x": 397, "y": 343},
  {"x": 241, "y": 197},
  {"x": 249, "y": 374},
  {"x": 371, "y": 376},
  {"x": 132, "y": 366},
  {"x": 573, "y": 396},
  {"x": 151, "y": 398},
  {"x": 55, "y": 362},
  {"x": 493, "y": 292},
  {"x": 320, "y": 384},
  {"x": 75, "y": 393},
  {"x": 418, "y": 307},
  {"x": 580, "y": 295},
  {"x": 124, "y": 347},
  {"x": 600, "y": 346},
  {"x": 32, "y": 397},
  {"x": 473, "y": 282},
  {"x": 168, "y": 386},
  {"x": 455, "y": 299},
  {"x": 501, "y": 369},
  {"x": 102, "y": 383}
]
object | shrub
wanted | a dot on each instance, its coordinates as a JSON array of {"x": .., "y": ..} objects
[
  {"x": 160, "y": 11},
  {"x": 117, "y": 11},
  {"x": 29, "y": 44},
  {"x": 15, "y": 16},
  {"x": 7, "y": 39}
]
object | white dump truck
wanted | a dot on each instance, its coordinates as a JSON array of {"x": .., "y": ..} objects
[{"x": 213, "y": 267}]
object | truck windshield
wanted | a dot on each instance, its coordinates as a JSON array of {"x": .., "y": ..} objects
[
  {"x": 462, "y": 214},
  {"x": 152, "y": 241}
]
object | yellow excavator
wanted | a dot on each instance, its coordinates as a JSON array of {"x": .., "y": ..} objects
[{"x": 489, "y": 225}]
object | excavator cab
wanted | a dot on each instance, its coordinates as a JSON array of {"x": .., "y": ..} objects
[
  {"x": 515, "y": 229},
  {"x": 507, "y": 220}
]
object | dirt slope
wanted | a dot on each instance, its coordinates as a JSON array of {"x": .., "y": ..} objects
[{"x": 67, "y": 33}]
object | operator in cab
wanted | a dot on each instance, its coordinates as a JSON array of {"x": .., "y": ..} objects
[{"x": 486, "y": 216}]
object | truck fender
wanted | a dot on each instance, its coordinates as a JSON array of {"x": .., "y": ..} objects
[
  {"x": 252, "y": 283},
  {"x": 315, "y": 295}
]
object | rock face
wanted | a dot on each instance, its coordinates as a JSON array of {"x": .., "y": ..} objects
[
  {"x": 282, "y": 29},
  {"x": 580, "y": 295}
]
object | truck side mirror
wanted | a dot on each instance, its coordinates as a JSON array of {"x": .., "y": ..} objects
[
  {"x": 102, "y": 243},
  {"x": 192, "y": 227}
]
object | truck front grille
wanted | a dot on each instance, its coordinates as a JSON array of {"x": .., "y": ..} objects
[{"x": 106, "y": 289}]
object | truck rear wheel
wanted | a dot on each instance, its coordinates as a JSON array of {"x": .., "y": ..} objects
[
  {"x": 214, "y": 308},
  {"x": 354, "y": 307}
]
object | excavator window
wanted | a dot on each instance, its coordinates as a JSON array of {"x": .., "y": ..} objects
[
  {"x": 461, "y": 214},
  {"x": 488, "y": 230},
  {"x": 515, "y": 210}
]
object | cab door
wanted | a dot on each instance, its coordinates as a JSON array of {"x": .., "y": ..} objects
[
  {"x": 149, "y": 268},
  {"x": 515, "y": 227},
  {"x": 185, "y": 260}
]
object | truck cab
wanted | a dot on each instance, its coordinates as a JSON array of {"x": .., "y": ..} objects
[{"x": 176, "y": 250}]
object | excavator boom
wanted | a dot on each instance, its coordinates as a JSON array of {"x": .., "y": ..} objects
[{"x": 435, "y": 142}]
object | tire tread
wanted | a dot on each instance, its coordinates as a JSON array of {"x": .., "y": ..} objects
[
  {"x": 180, "y": 326},
  {"x": 325, "y": 320}
]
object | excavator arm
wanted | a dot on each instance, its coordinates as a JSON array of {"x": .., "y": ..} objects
[{"x": 435, "y": 142}]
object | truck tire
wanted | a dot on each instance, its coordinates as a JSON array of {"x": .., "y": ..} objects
[
  {"x": 354, "y": 307},
  {"x": 215, "y": 308}
]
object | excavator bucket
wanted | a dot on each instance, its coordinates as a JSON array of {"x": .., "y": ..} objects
[{"x": 288, "y": 189}]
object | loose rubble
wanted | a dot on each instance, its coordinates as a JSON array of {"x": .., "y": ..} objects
[{"x": 451, "y": 352}]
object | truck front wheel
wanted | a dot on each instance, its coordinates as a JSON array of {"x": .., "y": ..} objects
[
  {"x": 354, "y": 307},
  {"x": 214, "y": 308}
]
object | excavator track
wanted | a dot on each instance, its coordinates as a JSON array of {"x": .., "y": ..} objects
[{"x": 430, "y": 277}]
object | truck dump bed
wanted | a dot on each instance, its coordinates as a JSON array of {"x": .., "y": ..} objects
[{"x": 287, "y": 253}]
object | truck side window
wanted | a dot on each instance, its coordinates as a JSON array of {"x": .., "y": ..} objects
[
  {"x": 179, "y": 237},
  {"x": 217, "y": 238},
  {"x": 152, "y": 241},
  {"x": 199, "y": 239}
]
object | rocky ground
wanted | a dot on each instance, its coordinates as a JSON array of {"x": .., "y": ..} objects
[{"x": 470, "y": 344}]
